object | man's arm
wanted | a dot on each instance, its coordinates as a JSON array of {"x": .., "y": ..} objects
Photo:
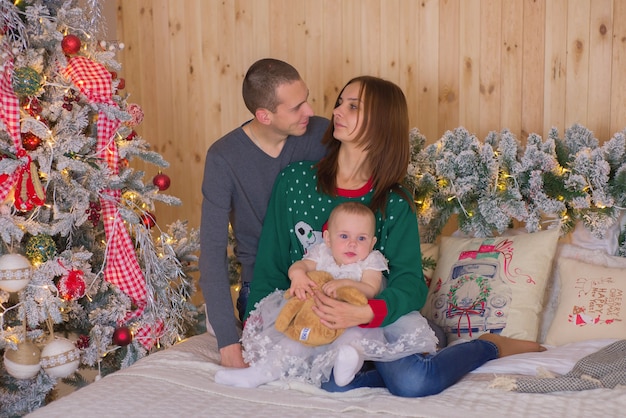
[{"x": 214, "y": 280}]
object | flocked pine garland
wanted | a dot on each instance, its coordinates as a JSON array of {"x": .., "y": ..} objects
[{"x": 493, "y": 184}]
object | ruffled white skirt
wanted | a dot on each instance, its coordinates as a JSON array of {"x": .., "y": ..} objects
[{"x": 267, "y": 348}]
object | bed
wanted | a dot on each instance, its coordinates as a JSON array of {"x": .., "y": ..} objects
[
  {"x": 179, "y": 382},
  {"x": 572, "y": 301}
]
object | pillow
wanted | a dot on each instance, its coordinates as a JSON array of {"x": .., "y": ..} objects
[
  {"x": 607, "y": 243},
  {"x": 592, "y": 303},
  {"x": 563, "y": 253},
  {"x": 491, "y": 285}
]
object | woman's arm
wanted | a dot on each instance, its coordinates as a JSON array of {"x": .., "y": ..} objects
[{"x": 399, "y": 240}]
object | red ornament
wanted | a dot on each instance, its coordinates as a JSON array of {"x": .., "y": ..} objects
[
  {"x": 161, "y": 181},
  {"x": 148, "y": 219},
  {"x": 70, "y": 44},
  {"x": 30, "y": 141},
  {"x": 131, "y": 136},
  {"x": 72, "y": 286},
  {"x": 121, "y": 84},
  {"x": 113, "y": 75},
  {"x": 122, "y": 336},
  {"x": 31, "y": 105}
]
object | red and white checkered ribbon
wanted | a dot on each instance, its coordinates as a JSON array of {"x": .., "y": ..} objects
[
  {"x": 29, "y": 191},
  {"x": 121, "y": 266}
]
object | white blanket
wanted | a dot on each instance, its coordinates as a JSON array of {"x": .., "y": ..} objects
[{"x": 179, "y": 382}]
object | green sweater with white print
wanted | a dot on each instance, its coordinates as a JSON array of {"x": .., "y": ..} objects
[{"x": 294, "y": 221}]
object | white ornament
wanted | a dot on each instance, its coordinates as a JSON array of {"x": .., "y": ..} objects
[
  {"x": 15, "y": 272},
  {"x": 23, "y": 363},
  {"x": 60, "y": 358}
]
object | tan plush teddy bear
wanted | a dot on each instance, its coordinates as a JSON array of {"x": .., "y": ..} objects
[{"x": 298, "y": 321}]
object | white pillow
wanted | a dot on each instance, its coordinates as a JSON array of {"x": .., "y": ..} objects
[
  {"x": 592, "y": 303},
  {"x": 565, "y": 252},
  {"x": 491, "y": 285}
]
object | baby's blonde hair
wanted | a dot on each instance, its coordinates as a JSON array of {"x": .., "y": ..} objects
[{"x": 353, "y": 208}]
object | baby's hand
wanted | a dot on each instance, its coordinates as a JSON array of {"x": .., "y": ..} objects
[
  {"x": 330, "y": 288},
  {"x": 300, "y": 286}
]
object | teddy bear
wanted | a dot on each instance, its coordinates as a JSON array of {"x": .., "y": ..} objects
[{"x": 298, "y": 321}]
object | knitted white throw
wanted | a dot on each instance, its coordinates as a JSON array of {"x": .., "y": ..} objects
[{"x": 606, "y": 368}]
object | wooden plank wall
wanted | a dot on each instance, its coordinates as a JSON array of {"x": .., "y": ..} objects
[{"x": 524, "y": 65}]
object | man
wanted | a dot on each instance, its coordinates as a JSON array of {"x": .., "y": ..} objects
[{"x": 239, "y": 174}]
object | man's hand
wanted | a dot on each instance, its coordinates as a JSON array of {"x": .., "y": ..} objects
[{"x": 232, "y": 356}]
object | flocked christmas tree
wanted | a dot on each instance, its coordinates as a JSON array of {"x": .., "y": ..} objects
[{"x": 87, "y": 276}]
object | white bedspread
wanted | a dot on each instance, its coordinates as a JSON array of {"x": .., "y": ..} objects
[{"x": 179, "y": 382}]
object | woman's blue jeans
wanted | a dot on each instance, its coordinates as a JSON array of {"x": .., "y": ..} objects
[{"x": 420, "y": 375}]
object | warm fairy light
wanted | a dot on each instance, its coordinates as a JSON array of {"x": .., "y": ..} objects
[{"x": 451, "y": 198}]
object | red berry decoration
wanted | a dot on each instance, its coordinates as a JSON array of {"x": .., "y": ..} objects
[
  {"x": 148, "y": 220},
  {"x": 122, "y": 336},
  {"x": 121, "y": 84},
  {"x": 131, "y": 136},
  {"x": 30, "y": 141},
  {"x": 94, "y": 213},
  {"x": 82, "y": 342},
  {"x": 161, "y": 181},
  {"x": 70, "y": 44}
]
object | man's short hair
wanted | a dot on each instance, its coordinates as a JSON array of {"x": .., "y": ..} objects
[{"x": 262, "y": 80}]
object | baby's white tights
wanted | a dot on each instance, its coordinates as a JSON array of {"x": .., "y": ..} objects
[
  {"x": 348, "y": 362},
  {"x": 249, "y": 377}
]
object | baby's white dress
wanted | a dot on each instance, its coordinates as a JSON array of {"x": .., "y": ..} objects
[{"x": 268, "y": 349}]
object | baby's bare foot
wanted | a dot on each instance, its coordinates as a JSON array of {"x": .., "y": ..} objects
[{"x": 509, "y": 346}]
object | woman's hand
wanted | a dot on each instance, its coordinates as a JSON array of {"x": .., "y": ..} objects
[{"x": 337, "y": 314}]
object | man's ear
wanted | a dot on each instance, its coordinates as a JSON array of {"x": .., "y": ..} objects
[{"x": 263, "y": 116}]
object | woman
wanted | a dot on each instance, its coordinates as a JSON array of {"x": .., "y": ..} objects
[{"x": 366, "y": 162}]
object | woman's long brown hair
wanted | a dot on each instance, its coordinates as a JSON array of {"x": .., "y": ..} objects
[{"x": 384, "y": 134}]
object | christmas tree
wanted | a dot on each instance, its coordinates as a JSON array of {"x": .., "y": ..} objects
[{"x": 88, "y": 279}]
